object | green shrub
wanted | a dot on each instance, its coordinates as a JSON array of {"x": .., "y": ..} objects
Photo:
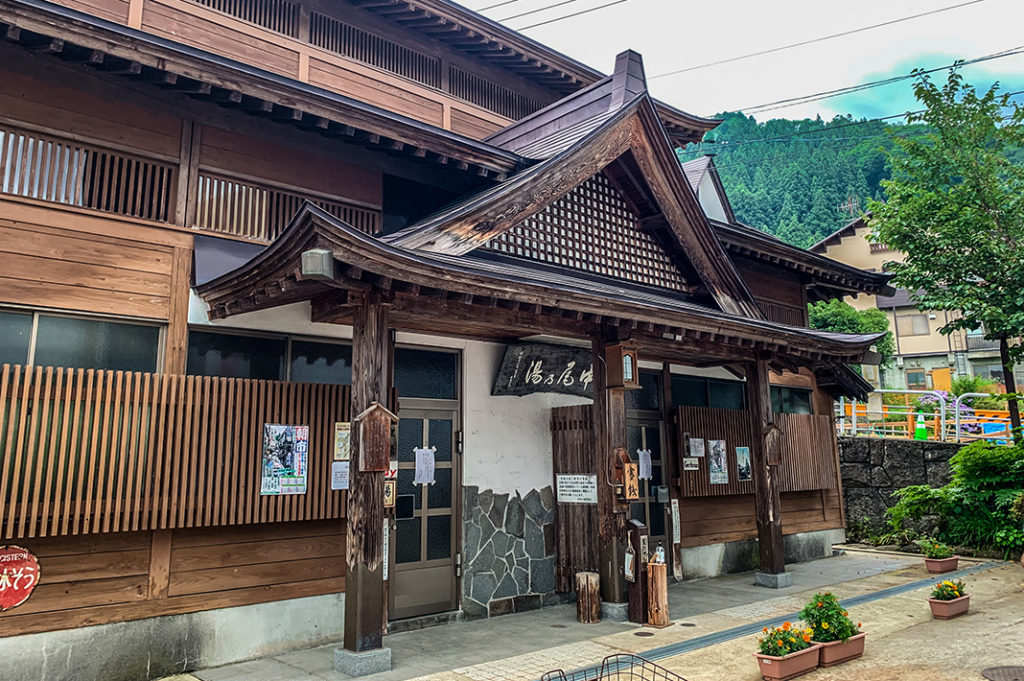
[
  {"x": 976, "y": 507},
  {"x": 828, "y": 619}
]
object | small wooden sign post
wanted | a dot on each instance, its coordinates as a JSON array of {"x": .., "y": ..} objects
[{"x": 657, "y": 595}]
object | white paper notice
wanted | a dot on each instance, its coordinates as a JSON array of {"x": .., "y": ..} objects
[
  {"x": 676, "y": 532},
  {"x": 691, "y": 464},
  {"x": 696, "y": 446},
  {"x": 645, "y": 463},
  {"x": 339, "y": 474},
  {"x": 424, "y": 466},
  {"x": 576, "y": 489},
  {"x": 387, "y": 548}
]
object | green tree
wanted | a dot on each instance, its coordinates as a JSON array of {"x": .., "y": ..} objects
[
  {"x": 840, "y": 316},
  {"x": 955, "y": 209}
]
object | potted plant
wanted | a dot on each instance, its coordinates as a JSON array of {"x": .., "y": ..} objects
[
  {"x": 938, "y": 557},
  {"x": 831, "y": 626},
  {"x": 949, "y": 600},
  {"x": 786, "y": 652}
]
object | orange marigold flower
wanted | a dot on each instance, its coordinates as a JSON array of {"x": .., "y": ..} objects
[
  {"x": 786, "y": 626},
  {"x": 858, "y": 625},
  {"x": 764, "y": 629},
  {"x": 820, "y": 604}
]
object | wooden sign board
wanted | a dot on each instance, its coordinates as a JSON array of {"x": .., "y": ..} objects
[
  {"x": 375, "y": 437},
  {"x": 530, "y": 368},
  {"x": 631, "y": 481},
  {"x": 390, "y": 488}
]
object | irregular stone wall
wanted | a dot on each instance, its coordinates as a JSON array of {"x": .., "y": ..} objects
[
  {"x": 873, "y": 468},
  {"x": 509, "y": 551}
]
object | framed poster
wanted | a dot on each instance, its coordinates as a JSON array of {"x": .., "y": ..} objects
[
  {"x": 342, "y": 441},
  {"x": 691, "y": 464},
  {"x": 743, "y": 471},
  {"x": 718, "y": 462},
  {"x": 696, "y": 446},
  {"x": 285, "y": 459}
]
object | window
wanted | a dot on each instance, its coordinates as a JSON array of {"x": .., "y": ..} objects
[
  {"x": 426, "y": 374},
  {"x": 791, "y": 400},
  {"x": 275, "y": 358},
  {"x": 693, "y": 391},
  {"x": 648, "y": 397},
  {"x": 993, "y": 372},
  {"x": 912, "y": 325},
  {"x": 917, "y": 379},
  {"x": 34, "y": 338}
]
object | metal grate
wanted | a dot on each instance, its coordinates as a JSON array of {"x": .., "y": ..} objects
[
  {"x": 491, "y": 96},
  {"x": 281, "y": 16},
  {"x": 261, "y": 212},
  {"x": 1004, "y": 673},
  {"x": 591, "y": 229},
  {"x": 48, "y": 168},
  {"x": 349, "y": 41}
]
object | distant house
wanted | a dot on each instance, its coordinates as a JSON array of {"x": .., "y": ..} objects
[{"x": 925, "y": 358}]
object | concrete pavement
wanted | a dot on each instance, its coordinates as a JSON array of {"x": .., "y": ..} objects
[{"x": 521, "y": 647}]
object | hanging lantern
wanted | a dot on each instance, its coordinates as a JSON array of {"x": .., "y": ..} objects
[{"x": 621, "y": 366}]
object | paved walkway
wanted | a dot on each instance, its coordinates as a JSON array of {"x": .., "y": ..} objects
[{"x": 521, "y": 647}]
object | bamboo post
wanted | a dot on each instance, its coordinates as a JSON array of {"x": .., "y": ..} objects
[{"x": 588, "y": 597}]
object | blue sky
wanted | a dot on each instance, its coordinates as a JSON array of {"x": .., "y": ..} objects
[{"x": 675, "y": 34}]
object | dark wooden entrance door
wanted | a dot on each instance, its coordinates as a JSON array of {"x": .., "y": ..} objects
[
  {"x": 648, "y": 434},
  {"x": 425, "y": 532}
]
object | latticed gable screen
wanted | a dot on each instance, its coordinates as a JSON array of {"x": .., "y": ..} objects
[{"x": 592, "y": 229}]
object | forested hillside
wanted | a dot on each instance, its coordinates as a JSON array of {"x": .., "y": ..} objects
[{"x": 791, "y": 177}]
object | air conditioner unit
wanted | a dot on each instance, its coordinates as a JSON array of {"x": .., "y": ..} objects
[
  {"x": 899, "y": 362},
  {"x": 931, "y": 315}
]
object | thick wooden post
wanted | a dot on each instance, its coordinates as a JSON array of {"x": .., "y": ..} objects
[
  {"x": 764, "y": 460},
  {"x": 364, "y": 584},
  {"x": 609, "y": 433},
  {"x": 588, "y": 597}
]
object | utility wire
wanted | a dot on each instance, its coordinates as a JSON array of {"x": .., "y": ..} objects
[
  {"x": 827, "y": 94},
  {"x": 497, "y": 4},
  {"x": 588, "y": 11},
  {"x": 538, "y": 10},
  {"x": 813, "y": 40}
]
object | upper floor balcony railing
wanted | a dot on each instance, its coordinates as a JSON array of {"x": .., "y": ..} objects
[{"x": 977, "y": 342}]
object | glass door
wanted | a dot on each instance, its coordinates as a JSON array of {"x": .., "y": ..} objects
[{"x": 643, "y": 434}]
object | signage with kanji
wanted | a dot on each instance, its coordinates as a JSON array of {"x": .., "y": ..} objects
[
  {"x": 631, "y": 481},
  {"x": 539, "y": 368},
  {"x": 19, "y": 574}
]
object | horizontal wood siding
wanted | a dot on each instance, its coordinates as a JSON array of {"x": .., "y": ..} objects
[
  {"x": 41, "y": 265},
  {"x": 469, "y": 125},
  {"x": 114, "y": 10},
  {"x": 99, "y": 578},
  {"x": 391, "y": 95},
  {"x": 87, "y": 451},
  {"x": 808, "y": 450}
]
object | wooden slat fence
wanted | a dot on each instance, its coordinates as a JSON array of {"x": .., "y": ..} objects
[
  {"x": 808, "y": 450},
  {"x": 258, "y": 211},
  {"x": 277, "y": 15},
  {"x": 576, "y": 529},
  {"x": 87, "y": 451},
  {"x": 48, "y": 168}
]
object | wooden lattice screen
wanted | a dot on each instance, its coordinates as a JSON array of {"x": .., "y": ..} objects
[
  {"x": 490, "y": 95},
  {"x": 277, "y": 15},
  {"x": 572, "y": 440},
  {"x": 87, "y": 451},
  {"x": 355, "y": 43},
  {"x": 256, "y": 211},
  {"x": 808, "y": 449},
  {"x": 48, "y": 168},
  {"x": 593, "y": 230}
]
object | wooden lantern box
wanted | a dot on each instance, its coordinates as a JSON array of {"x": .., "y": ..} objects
[{"x": 621, "y": 367}]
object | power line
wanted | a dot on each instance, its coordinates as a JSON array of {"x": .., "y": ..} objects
[
  {"x": 497, "y": 4},
  {"x": 588, "y": 11},
  {"x": 814, "y": 40},
  {"x": 538, "y": 10},
  {"x": 827, "y": 94}
]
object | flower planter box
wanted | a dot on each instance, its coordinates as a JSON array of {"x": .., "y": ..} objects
[
  {"x": 947, "y": 610},
  {"x": 788, "y": 666},
  {"x": 937, "y": 566},
  {"x": 836, "y": 652}
]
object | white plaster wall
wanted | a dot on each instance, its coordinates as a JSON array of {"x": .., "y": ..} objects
[{"x": 707, "y": 194}]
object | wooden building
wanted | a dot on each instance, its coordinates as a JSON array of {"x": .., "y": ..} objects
[{"x": 220, "y": 216}]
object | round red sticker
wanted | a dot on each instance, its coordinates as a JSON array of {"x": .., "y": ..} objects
[{"x": 19, "y": 574}]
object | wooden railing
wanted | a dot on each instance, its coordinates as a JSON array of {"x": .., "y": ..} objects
[
  {"x": 39, "y": 166},
  {"x": 258, "y": 211},
  {"x": 808, "y": 447},
  {"x": 86, "y": 451}
]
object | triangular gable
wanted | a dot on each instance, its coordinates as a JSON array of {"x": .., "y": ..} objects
[
  {"x": 635, "y": 132},
  {"x": 703, "y": 177}
]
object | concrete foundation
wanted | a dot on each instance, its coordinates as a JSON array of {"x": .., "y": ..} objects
[
  {"x": 714, "y": 560},
  {"x": 364, "y": 663},
  {"x": 155, "y": 647},
  {"x": 614, "y": 612},
  {"x": 772, "y": 580}
]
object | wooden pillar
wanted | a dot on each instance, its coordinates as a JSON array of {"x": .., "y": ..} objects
[
  {"x": 609, "y": 433},
  {"x": 364, "y": 584},
  {"x": 764, "y": 460}
]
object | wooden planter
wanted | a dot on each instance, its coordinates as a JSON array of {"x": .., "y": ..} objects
[
  {"x": 947, "y": 610},
  {"x": 788, "y": 666},
  {"x": 837, "y": 652},
  {"x": 937, "y": 566}
]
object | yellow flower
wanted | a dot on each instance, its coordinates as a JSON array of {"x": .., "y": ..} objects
[{"x": 824, "y": 625}]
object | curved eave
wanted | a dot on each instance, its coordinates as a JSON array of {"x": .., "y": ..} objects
[{"x": 277, "y": 266}]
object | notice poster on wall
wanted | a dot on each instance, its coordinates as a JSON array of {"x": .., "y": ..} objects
[
  {"x": 285, "y": 459},
  {"x": 676, "y": 531},
  {"x": 696, "y": 446},
  {"x": 424, "y": 466},
  {"x": 576, "y": 489},
  {"x": 743, "y": 471},
  {"x": 644, "y": 459},
  {"x": 691, "y": 464},
  {"x": 342, "y": 441},
  {"x": 339, "y": 474},
  {"x": 718, "y": 462}
]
